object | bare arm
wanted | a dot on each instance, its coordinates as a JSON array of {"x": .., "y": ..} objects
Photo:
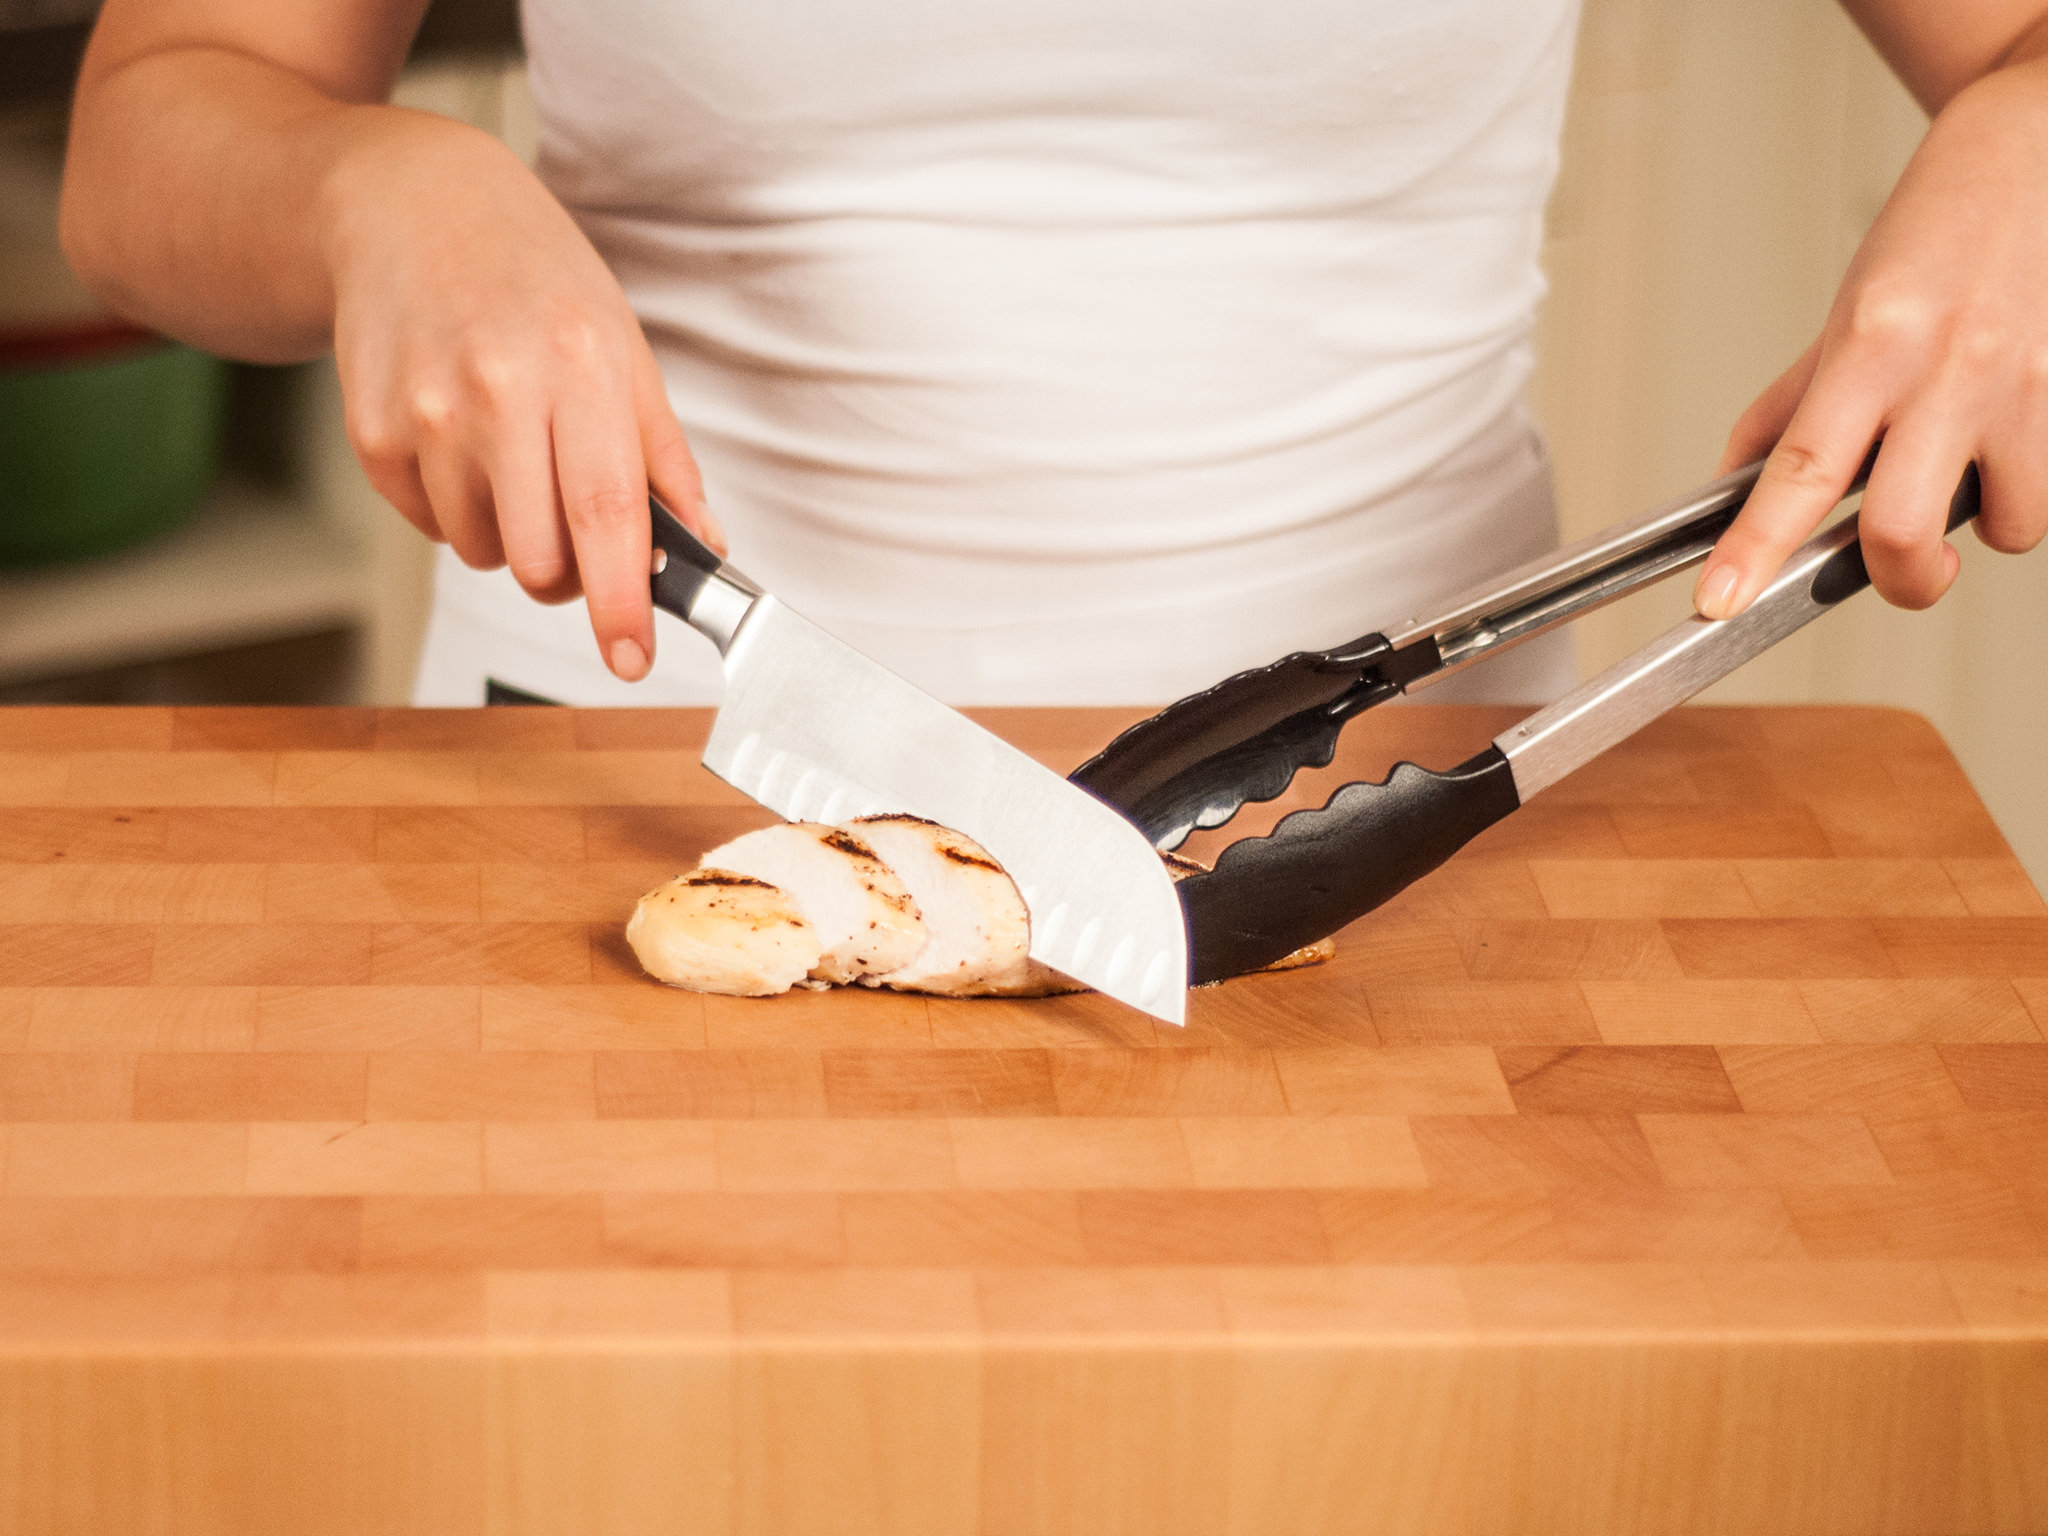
[
  {"x": 1937, "y": 342},
  {"x": 1937, "y": 49},
  {"x": 236, "y": 179},
  {"x": 204, "y": 138}
]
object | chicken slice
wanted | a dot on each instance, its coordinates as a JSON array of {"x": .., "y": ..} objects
[
  {"x": 865, "y": 920},
  {"x": 978, "y": 933},
  {"x": 711, "y": 931}
]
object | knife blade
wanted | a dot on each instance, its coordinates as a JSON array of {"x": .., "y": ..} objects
[{"x": 816, "y": 731}]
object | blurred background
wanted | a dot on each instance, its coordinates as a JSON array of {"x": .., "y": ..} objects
[{"x": 1721, "y": 160}]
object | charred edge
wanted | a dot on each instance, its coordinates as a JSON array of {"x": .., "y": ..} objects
[
  {"x": 724, "y": 877},
  {"x": 897, "y": 816}
]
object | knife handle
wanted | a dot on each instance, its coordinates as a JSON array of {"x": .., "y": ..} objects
[{"x": 691, "y": 582}]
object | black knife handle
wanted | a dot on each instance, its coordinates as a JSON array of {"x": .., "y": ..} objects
[
  {"x": 690, "y": 564},
  {"x": 1318, "y": 870}
]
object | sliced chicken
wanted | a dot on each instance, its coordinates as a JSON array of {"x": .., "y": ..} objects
[
  {"x": 864, "y": 917},
  {"x": 712, "y": 931},
  {"x": 978, "y": 932}
]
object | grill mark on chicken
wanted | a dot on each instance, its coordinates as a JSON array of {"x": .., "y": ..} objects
[
  {"x": 717, "y": 931},
  {"x": 980, "y": 932},
  {"x": 864, "y": 915}
]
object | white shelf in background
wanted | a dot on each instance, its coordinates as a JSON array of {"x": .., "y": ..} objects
[{"x": 249, "y": 566}]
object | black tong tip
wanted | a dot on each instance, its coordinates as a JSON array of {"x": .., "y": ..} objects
[{"x": 1199, "y": 761}]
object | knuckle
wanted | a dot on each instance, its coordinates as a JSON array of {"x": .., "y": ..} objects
[
  {"x": 479, "y": 554},
  {"x": 374, "y": 436},
  {"x": 665, "y": 441},
  {"x": 431, "y": 407},
  {"x": 543, "y": 578},
  {"x": 1884, "y": 317},
  {"x": 2034, "y": 369},
  {"x": 577, "y": 337},
  {"x": 1890, "y": 541},
  {"x": 603, "y": 509},
  {"x": 493, "y": 377},
  {"x": 1981, "y": 344},
  {"x": 1802, "y": 466}
]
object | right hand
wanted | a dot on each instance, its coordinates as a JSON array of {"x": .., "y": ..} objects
[{"x": 498, "y": 389}]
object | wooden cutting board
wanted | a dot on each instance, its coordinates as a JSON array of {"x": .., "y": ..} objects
[{"x": 1675, "y": 1159}]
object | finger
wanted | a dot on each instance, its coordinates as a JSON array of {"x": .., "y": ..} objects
[
  {"x": 400, "y": 484},
  {"x": 1807, "y": 473},
  {"x": 2014, "y": 471},
  {"x": 461, "y": 497},
  {"x": 1757, "y": 430},
  {"x": 672, "y": 472},
  {"x": 388, "y": 462},
  {"x": 603, "y": 484},
  {"x": 2014, "y": 517},
  {"x": 529, "y": 513},
  {"x": 1904, "y": 517}
]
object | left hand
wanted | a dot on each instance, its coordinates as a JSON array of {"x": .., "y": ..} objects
[{"x": 1938, "y": 344}]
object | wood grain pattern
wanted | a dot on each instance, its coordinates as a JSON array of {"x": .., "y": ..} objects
[{"x": 1678, "y": 1155}]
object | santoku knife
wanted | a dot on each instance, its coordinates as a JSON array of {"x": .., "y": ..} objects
[{"x": 816, "y": 731}]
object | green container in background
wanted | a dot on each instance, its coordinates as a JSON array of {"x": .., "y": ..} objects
[{"x": 105, "y": 450}]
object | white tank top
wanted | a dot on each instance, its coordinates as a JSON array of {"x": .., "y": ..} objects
[{"x": 1062, "y": 350}]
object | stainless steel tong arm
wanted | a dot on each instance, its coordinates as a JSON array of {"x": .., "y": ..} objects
[
  {"x": 1695, "y": 653},
  {"x": 1669, "y": 670},
  {"x": 1556, "y": 588}
]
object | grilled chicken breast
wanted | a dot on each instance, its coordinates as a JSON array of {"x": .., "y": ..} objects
[
  {"x": 978, "y": 932},
  {"x": 889, "y": 901},
  {"x": 865, "y": 920},
  {"x": 714, "y": 931}
]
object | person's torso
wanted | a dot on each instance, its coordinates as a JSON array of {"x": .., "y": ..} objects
[{"x": 1096, "y": 297}]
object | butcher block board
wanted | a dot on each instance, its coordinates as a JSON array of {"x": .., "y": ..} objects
[{"x": 1676, "y": 1159}]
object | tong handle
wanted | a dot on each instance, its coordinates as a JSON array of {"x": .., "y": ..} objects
[{"x": 1568, "y": 583}]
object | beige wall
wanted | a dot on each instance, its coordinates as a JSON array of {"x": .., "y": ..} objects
[{"x": 1722, "y": 159}]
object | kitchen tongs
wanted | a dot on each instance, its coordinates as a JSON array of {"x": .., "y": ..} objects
[{"x": 1197, "y": 762}]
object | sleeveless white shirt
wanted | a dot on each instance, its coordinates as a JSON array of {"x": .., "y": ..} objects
[{"x": 1063, "y": 350}]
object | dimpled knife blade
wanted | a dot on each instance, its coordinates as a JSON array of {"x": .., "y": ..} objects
[{"x": 816, "y": 731}]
